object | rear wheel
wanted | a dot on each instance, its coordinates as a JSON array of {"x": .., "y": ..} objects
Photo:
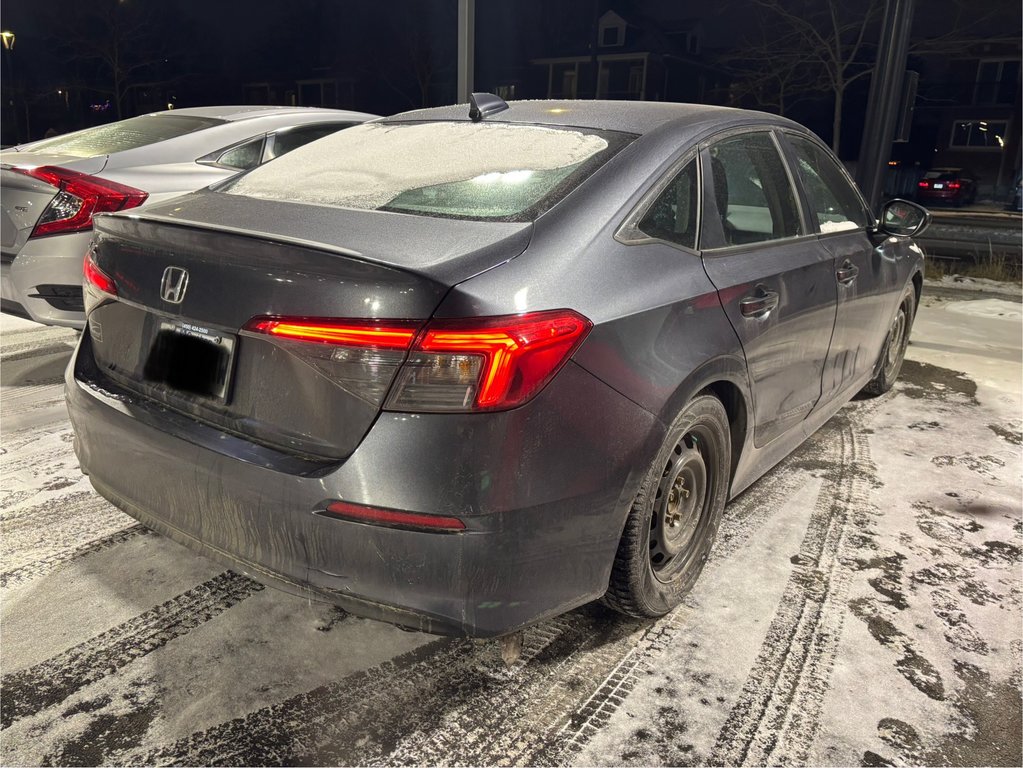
[
  {"x": 894, "y": 350},
  {"x": 675, "y": 517}
]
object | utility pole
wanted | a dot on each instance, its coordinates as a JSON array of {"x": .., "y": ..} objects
[
  {"x": 466, "y": 47},
  {"x": 883, "y": 104}
]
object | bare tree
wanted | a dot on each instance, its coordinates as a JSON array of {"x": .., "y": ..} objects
[
  {"x": 119, "y": 39},
  {"x": 806, "y": 47}
]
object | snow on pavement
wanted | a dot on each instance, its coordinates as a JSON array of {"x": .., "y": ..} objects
[{"x": 863, "y": 606}]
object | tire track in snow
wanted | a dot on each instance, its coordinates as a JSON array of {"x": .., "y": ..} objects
[
  {"x": 35, "y": 342},
  {"x": 42, "y": 565},
  {"x": 776, "y": 717},
  {"x": 781, "y": 689},
  {"x": 364, "y": 717},
  {"x": 48, "y": 683},
  {"x": 36, "y": 538}
]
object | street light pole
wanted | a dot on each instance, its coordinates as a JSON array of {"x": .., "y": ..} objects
[
  {"x": 7, "y": 38},
  {"x": 466, "y": 47},
  {"x": 883, "y": 104}
]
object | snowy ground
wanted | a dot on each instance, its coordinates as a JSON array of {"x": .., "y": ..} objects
[{"x": 863, "y": 607}]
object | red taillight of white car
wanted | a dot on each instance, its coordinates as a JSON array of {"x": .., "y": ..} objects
[
  {"x": 80, "y": 196},
  {"x": 479, "y": 364}
]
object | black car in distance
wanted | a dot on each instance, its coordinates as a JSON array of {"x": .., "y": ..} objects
[{"x": 466, "y": 368}]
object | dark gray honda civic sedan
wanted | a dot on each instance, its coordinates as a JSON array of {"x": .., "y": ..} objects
[{"x": 465, "y": 368}]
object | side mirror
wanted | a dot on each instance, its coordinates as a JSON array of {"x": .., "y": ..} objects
[{"x": 902, "y": 218}]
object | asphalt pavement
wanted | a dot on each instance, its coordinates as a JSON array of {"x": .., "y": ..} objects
[{"x": 863, "y": 606}]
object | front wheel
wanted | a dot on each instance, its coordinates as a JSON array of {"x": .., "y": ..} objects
[
  {"x": 674, "y": 519},
  {"x": 894, "y": 350}
]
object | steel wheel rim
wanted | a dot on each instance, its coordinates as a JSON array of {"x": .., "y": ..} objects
[
  {"x": 896, "y": 338},
  {"x": 680, "y": 506}
]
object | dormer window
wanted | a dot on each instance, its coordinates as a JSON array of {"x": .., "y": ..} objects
[{"x": 611, "y": 30}]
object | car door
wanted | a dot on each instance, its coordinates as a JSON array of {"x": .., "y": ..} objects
[
  {"x": 840, "y": 216},
  {"x": 775, "y": 280}
]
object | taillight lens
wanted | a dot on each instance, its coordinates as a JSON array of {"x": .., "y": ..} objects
[
  {"x": 80, "y": 196},
  {"x": 954, "y": 185},
  {"x": 96, "y": 277},
  {"x": 923, "y": 185},
  {"x": 486, "y": 364},
  {"x": 482, "y": 364},
  {"x": 360, "y": 356}
]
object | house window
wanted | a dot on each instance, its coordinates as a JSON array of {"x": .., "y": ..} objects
[
  {"x": 611, "y": 36},
  {"x": 996, "y": 82},
  {"x": 612, "y": 30},
  {"x": 978, "y": 134}
]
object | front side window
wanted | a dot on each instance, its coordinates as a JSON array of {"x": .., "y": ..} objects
[
  {"x": 832, "y": 199},
  {"x": 672, "y": 216},
  {"x": 483, "y": 171},
  {"x": 753, "y": 197}
]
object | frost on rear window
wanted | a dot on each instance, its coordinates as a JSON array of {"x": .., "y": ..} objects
[
  {"x": 121, "y": 136},
  {"x": 465, "y": 170}
]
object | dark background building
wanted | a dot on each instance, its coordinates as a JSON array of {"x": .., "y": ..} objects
[{"x": 71, "y": 64}]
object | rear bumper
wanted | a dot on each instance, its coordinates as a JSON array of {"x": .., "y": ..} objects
[
  {"x": 543, "y": 491},
  {"x": 41, "y": 266}
]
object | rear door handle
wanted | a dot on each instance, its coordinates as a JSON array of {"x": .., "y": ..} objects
[
  {"x": 847, "y": 273},
  {"x": 759, "y": 304}
]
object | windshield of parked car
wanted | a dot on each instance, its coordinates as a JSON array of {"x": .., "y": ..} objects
[
  {"x": 486, "y": 171},
  {"x": 122, "y": 135},
  {"x": 943, "y": 175}
]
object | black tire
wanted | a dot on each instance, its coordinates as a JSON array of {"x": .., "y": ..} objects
[
  {"x": 894, "y": 350},
  {"x": 674, "y": 519}
]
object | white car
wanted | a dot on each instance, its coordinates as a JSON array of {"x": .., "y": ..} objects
[{"x": 52, "y": 188}]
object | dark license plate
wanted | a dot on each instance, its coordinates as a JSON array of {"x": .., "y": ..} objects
[{"x": 192, "y": 359}]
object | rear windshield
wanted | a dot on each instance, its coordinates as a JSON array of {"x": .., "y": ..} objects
[
  {"x": 122, "y": 135},
  {"x": 484, "y": 171},
  {"x": 942, "y": 175}
]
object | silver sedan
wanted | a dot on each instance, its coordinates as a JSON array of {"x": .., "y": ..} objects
[{"x": 52, "y": 188}]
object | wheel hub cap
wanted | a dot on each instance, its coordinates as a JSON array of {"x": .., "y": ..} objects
[{"x": 683, "y": 491}]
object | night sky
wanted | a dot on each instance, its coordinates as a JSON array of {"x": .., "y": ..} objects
[{"x": 195, "y": 53}]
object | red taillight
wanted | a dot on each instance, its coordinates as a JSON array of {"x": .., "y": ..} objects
[
  {"x": 486, "y": 364},
  {"x": 348, "y": 333},
  {"x": 481, "y": 364},
  {"x": 954, "y": 185},
  {"x": 97, "y": 278},
  {"x": 924, "y": 184},
  {"x": 393, "y": 517},
  {"x": 80, "y": 196}
]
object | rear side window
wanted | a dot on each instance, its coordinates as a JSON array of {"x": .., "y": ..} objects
[
  {"x": 483, "y": 171},
  {"x": 832, "y": 198},
  {"x": 123, "y": 135},
  {"x": 243, "y": 156},
  {"x": 672, "y": 217},
  {"x": 753, "y": 197},
  {"x": 286, "y": 141}
]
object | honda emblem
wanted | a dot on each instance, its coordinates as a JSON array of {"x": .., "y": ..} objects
[{"x": 175, "y": 281}]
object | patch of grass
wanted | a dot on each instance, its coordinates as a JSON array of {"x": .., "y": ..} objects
[{"x": 993, "y": 266}]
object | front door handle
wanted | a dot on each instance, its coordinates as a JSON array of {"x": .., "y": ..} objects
[
  {"x": 759, "y": 304},
  {"x": 847, "y": 273}
]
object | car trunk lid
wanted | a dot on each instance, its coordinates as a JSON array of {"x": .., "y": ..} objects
[{"x": 184, "y": 329}]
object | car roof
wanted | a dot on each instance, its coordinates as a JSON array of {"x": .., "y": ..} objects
[
  {"x": 247, "y": 112},
  {"x": 636, "y": 117}
]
